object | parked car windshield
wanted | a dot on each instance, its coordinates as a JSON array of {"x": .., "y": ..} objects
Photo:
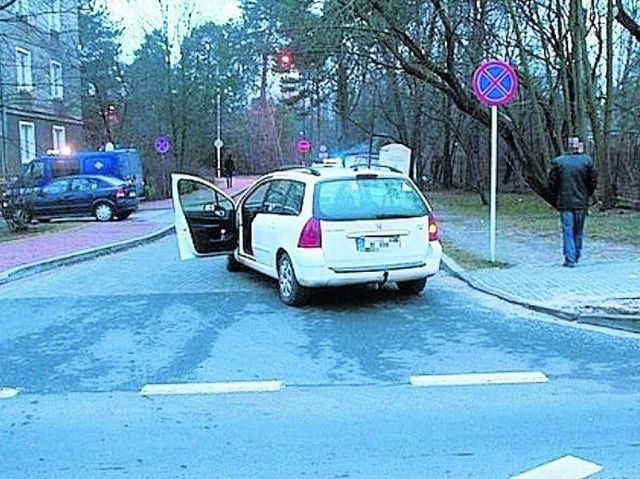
[{"x": 368, "y": 198}]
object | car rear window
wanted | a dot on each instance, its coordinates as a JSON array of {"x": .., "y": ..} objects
[{"x": 368, "y": 198}]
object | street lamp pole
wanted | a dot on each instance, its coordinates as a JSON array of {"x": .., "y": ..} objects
[{"x": 218, "y": 143}]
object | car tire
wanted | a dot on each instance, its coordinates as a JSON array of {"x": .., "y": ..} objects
[
  {"x": 290, "y": 291},
  {"x": 123, "y": 216},
  {"x": 233, "y": 265},
  {"x": 412, "y": 287},
  {"x": 103, "y": 212}
]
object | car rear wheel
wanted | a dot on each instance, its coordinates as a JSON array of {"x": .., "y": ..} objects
[
  {"x": 413, "y": 287},
  {"x": 103, "y": 212},
  {"x": 291, "y": 293}
]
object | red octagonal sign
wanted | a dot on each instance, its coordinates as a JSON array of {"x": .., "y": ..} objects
[{"x": 303, "y": 146}]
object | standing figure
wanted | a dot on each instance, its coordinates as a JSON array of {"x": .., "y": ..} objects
[
  {"x": 572, "y": 180},
  {"x": 228, "y": 170}
]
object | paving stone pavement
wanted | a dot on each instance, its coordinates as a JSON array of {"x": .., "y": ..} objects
[
  {"x": 604, "y": 288},
  {"x": 605, "y": 285}
]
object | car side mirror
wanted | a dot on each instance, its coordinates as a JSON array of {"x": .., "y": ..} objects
[{"x": 217, "y": 210}]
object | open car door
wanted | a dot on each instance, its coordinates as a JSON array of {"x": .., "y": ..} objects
[{"x": 205, "y": 217}]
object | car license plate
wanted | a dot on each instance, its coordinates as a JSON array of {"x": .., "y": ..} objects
[
  {"x": 132, "y": 194},
  {"x": 366, "y": 244}
]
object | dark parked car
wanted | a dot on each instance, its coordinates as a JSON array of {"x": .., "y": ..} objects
[{"x": 104, "y": 197}]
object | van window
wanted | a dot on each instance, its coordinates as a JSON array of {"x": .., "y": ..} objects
[
  {"x": 35, "y": 170},
  {"x": 65, "y": 166}
]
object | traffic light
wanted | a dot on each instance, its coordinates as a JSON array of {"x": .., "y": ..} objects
[
  {"x": 111, "y": 113},
  {"x": 285, "y": 60}
]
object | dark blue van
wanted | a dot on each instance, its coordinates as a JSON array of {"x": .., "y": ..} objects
[{"x": 121, "y": 163}]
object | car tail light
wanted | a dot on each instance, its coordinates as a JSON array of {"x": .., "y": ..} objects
[
  {"x": 434, "y": 232},
  {"x": 120, "y": 193},
  {"x": 311, "y": 235}
]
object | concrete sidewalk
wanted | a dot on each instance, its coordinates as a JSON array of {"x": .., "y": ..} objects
[{"x": 603, "y": 289}]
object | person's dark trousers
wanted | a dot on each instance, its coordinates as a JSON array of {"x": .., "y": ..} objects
[
  {"x": 572, "y": 233},
  {"x": 229, "y": 181}
]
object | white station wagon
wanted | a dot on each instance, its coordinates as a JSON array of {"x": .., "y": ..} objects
[{"x": 314, "y": 227}]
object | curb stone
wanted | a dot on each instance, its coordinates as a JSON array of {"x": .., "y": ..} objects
[
  {"x": 609, "y": 320},
  {"x": 30, "y": 269},
  {"x": 23, "y": 271}
]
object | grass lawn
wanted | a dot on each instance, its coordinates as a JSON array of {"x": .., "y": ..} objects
[
  {"x": 34, "y": 229},
  {"x": 528, "y": 213}
]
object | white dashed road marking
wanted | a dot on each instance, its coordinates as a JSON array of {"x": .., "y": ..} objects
[
  {"x": 7, "y": 393},
  {"x": 480, "y": 378},
  {"x": 567, "y": 467},
  {"x": 212, "y": 388}
]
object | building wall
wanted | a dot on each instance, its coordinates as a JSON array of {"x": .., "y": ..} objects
[{"x": 48, "y": 37}]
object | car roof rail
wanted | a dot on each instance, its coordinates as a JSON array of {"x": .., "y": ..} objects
[
  {"x": 373, "y": 166},
  {"x": 307, "y": 169}
]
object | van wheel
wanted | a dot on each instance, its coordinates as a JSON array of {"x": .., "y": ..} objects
[
  {"x": 291, "y": 293},
  {"x": 413, "y": 287},
  {"x": 103, "y": 212}
]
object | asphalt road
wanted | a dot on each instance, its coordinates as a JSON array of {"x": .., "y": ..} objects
[{"x": 81, "y": 341}]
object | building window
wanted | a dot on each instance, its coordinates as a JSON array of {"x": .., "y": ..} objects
[
  {"x": 55, "y": 19},
  {"x": 56, "y": 79},
  {"x": 27, "y": 141},
  {"x": 59, "y": 138},
  {"x": 23, "y": 63}
]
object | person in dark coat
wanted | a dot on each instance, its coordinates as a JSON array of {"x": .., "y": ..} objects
[
  {"x": 228, "y": 170},
  {"x": 572, "y": 180}
]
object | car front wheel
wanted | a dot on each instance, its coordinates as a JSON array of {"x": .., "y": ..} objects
[
  {"x": 103, "y": 212},
  {"x": 233, "y": 265},
  {"x": 412, "y": 287},
  {"x": 291, "y": 293}
]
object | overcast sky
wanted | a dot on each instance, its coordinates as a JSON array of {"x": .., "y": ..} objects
[{"x": 141, "y": 16}]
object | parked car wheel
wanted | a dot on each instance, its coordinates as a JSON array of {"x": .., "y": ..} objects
[
  {"x": 103, "y": 212},
  {"x": 412, "y": 287},
  {"x": 291, "y": 292},
  {"x": 233, "y": 266}
]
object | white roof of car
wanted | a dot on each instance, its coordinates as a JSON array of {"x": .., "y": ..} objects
[{"x": 317, "y": 172}]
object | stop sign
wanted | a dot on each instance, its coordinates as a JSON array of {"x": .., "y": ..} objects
[{"x": 303, "y": 146}]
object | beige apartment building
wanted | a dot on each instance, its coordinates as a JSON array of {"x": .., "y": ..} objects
[{"x": 40, "y": 88}]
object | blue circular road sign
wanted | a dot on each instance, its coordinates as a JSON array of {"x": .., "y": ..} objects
[
  {"x": 495, "y": 83},
  {"x": 162, "y": 144}
]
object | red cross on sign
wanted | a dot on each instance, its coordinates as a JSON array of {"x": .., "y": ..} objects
[{"x": 495, "y": 83}]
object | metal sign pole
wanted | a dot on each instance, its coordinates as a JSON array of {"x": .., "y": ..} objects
[
  {"x": 495, "y": 83},
  {"x": 494, "y": 180}
]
